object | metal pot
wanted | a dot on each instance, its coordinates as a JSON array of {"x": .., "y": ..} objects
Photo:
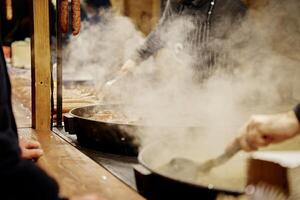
[
  {"x": 101, "y": 135},
  {"x": 154, "y": 184},
  {"x": 118, "y": 138}
]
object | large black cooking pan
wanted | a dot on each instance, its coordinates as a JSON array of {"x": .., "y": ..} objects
[
  {"x": 111, "y": 137},
  {"x": 101, "y": 135},
  {"x": 157, "y": 185}
]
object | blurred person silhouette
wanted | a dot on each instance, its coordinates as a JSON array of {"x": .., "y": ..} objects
[
  {"x": 21, "y": 178},
  {"x": 19, "y": 25},
  {"x": 92, "y": 10},
  {"x": 212, "y": 20}
]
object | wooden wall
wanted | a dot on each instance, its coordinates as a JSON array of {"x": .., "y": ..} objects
[{"x": 144, "y": 13}]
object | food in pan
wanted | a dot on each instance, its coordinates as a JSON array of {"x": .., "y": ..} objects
[
  {"x": 75, "y": 16},
  {"x": 230, "y": 175},
  {"x": 113, "y": 117},
  {"x": 64, "y": 16}
]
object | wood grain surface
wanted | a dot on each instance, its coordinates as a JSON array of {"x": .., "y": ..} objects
[
  {"x": 74, "y": 171},
  {"x": 41, "y": 74}
]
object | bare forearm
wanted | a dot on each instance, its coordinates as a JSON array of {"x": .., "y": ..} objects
[{"x": 154, "y": 42}]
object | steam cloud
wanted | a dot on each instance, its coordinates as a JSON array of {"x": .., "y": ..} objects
[
  {"x": 264, "y": 53},
  {"x": 101, "y": 48}
]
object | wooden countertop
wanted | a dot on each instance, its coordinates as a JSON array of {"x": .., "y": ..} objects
[{"x": 75, "y": 172}]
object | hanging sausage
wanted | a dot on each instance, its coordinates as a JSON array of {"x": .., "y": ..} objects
[
  {"x": 75, "y": 16},
  {"x": 64, "y": 16}
]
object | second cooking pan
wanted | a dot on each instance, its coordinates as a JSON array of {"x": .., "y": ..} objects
[{"x": 156, "y": 184}]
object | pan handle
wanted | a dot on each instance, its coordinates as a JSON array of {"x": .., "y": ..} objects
[
  {"x": 143, "y": 179},
  {"x": 69, "y": 124}
]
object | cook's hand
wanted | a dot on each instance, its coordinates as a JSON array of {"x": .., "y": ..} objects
[
  {"x": 87, "y": 197},
  {"x": 262, "y": 130},
  {"x": 125, "y": 69},
  {"x": 128, "y": 66},
  {"x": 30, "y": 150}
]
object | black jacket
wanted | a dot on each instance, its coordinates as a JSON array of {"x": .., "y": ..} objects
[
  {"x": 297, "y": 111},
  {"x": 20, "y": 26},
  {"x": 19, "y": 179}
]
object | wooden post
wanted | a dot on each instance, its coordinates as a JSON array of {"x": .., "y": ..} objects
[{"x": 41, "y": 75}]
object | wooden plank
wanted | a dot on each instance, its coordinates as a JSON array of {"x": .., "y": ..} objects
[
  {"x": 74, "y": 171},
  {"x": 41, "y": 105},
  {"x": 118, "y": 6},
  {"x": 156, "y": 12},
  {"x": 144, "y": 13},
  {"x": 141, "y": 14},
  {"x": 22, "y": 114}
]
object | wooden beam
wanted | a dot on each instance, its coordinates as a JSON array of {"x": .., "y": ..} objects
[{"x": 41, "y": 75}]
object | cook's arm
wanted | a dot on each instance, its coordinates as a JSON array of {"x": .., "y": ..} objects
[
  {"x": 154, "y": 42},
  {"x": 262, "y": 130}
]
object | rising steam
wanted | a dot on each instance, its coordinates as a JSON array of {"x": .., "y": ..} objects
[{"x": 264, "y": 75}]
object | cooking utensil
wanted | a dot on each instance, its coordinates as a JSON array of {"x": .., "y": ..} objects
[
  {"x": 184, "y": 167},
  {"x": 106, "y": 88}
]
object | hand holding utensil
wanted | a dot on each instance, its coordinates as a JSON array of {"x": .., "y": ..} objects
[
  {"x": 184, "y": 167},
  {"x": 125, "y": 69}
]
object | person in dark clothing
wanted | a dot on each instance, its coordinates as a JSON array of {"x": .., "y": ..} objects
[
  {"x": 19, "y": 26},
  {"x": 97, "y": 4},
  {"x": 211, "y": 19},
  {"x": 262, "y": 130},
  {"x": 19, "y": 178},
  {"x": 17, "y": 174},
  {"x": 91, "y": 10},
  {"x": 207, "y": 16}
]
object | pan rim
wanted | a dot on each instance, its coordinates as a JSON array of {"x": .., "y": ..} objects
[
  {"x": 121, "y": 124},
  {"x": 144, "y": 164}
]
